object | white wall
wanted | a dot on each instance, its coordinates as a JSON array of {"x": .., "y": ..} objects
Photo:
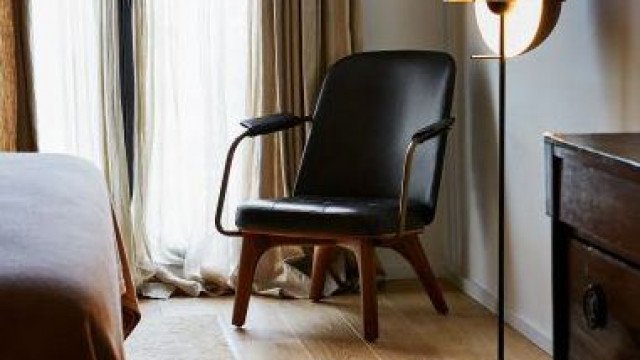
[
  {"x": 403, "y": 24},
  {"x": 410, "y": 24},
  {"x": 584, "y": 78}
]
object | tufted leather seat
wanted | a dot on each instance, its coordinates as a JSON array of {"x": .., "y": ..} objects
[{"x": 329, "y": 216}]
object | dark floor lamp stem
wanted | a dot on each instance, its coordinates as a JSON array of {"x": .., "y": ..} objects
[{"x": 501, "y": 183}]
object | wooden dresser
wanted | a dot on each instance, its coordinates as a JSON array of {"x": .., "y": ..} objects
[{"x": 593, "y": 196}]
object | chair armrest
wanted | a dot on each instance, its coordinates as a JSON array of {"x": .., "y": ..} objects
[
  {"x": 272, "y": 123},
  {"x": 258, "y": 126},
  {"x": 429, "y": 132},
  {"x": 432, "y": 130}
]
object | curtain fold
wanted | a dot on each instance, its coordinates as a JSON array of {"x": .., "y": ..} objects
[
  {"x": 17, "y": 130},
  {"x": 294, "y": 42}
]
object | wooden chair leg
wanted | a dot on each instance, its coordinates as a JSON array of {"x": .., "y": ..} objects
[
  {"x": 322, "y": 256},
  {"x": 365, "y": 254},
  {"x": 252, "y": 250},
  {"x": 411, "y": 249}
]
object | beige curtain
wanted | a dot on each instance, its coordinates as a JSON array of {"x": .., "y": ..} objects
[
  {"x": 293, "y": 44},
  {"x": 16, "y": 121}
]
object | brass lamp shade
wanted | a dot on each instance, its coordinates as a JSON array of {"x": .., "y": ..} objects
[{"x": 528, "y": 22}]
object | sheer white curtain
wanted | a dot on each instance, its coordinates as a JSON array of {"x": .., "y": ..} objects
[
  {"x": 74, "y": 45},
  {"x": 66, "y": 63},
  {"x": 191, "y": 65}
]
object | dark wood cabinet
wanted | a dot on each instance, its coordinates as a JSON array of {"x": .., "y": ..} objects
[{"x": 593, "y": 197}]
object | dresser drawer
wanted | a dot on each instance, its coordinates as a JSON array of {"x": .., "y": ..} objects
[
  {"x": 604, "y": 306},
  {"x": 603, "y": 206}
]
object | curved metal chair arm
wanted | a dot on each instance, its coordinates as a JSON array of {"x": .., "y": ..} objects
[
  {"x": 225, "y": 183},
  {"x": 418, "y": 138},
  {"x": 255, "y": 127}
]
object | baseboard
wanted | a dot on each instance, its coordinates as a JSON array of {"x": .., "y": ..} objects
[{"x": 488, "y": 300}]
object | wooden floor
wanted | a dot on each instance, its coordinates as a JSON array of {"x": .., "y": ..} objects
[{"x": 297, "y": 329}]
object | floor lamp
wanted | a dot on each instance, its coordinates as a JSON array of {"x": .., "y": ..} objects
[{"x": 510, "y": 28}]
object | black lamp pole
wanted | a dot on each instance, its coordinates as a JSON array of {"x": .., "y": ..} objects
[
  {"x": 501, "y": 182},
  {"x": 500, "y": 8}
]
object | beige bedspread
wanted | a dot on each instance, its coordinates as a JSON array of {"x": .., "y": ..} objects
[{"x": 65, "y": 288}]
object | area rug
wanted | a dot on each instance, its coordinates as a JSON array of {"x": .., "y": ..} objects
[{"x": 178, "y": 337}]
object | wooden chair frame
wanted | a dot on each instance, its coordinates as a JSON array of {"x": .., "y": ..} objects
[{"x": 407, "y": 243}]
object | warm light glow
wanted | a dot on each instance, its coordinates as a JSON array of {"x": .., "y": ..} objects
[{"x": 522, "y": 20}]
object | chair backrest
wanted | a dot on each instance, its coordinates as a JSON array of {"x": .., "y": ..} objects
[{"x": 369, "y": 106}]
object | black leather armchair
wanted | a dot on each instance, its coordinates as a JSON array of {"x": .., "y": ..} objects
[{"x": 377, "y": 115}]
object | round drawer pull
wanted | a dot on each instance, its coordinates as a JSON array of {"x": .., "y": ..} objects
[{"x": 594, "y": 305}]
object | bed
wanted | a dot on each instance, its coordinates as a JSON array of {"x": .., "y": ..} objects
[{"x": 65, "y": 288}]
